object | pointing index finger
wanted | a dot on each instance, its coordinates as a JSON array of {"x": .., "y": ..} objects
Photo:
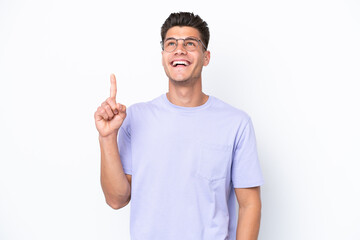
[{"x": 113, "y": 86}]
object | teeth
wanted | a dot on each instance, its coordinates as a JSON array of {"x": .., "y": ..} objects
[{"x": 180, "y": 62}]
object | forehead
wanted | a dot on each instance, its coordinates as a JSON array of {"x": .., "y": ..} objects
[{"x": 182, "y": 32}]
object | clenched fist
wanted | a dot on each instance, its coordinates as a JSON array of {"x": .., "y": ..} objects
[{"x": 110, "y": 115}]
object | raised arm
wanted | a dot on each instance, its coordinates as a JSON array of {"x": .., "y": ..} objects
[{"x": 109, "y": 117}]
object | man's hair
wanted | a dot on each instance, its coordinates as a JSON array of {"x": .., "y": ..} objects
[{"x": 188, "y": 19}]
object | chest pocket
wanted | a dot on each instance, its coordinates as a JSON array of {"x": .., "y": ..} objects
[{"x": 214, "y": 162}]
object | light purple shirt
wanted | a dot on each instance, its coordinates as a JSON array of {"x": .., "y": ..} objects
[{"x": 185, "y": 163}]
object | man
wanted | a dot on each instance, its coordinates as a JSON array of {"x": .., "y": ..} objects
[{"x": 185, "y": 157}]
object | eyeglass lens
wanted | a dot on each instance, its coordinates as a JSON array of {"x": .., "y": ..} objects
[{"x": 189, "y": 44}]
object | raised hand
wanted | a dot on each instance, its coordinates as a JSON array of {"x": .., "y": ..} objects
[{"x": 110, "y": 115}]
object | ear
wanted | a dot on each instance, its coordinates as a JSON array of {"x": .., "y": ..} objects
[{"x": 206, "y": 58}]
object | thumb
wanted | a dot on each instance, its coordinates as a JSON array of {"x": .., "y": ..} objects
[{"x": 122, "y": 108}]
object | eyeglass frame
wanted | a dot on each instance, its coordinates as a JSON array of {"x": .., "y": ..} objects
[{"x": 177, "y": 39}]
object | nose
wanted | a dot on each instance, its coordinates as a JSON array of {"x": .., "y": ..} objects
[{"x": 180, "y": 48}]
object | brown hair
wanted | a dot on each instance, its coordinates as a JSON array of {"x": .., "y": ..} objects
[{"x": 187, "y": 19}]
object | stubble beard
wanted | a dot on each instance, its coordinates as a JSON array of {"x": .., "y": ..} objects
[{"x": 185, "y": 82}]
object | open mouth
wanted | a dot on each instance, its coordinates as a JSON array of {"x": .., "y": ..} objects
[{"x": 180, "y": 63}]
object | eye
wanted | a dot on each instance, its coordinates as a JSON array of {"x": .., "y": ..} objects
[
  {"x": 190, "y": 42},
  {"x": 170, "y": 43}
]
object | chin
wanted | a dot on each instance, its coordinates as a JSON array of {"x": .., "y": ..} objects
[
  {"x": 182, "y": 81},
  {"x": 177, "y": 78}
]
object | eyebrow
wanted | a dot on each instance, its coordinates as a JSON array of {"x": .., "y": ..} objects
[{"x": 192, "y": 37}]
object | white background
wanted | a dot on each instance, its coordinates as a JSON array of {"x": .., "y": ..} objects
[{"x": 294, "y": 66}]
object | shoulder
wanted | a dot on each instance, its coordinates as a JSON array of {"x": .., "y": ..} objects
[
  {"x": 138, "y": 112},
  {"x": 143, "y": 107},
  {"x": 229, "y": 111}
]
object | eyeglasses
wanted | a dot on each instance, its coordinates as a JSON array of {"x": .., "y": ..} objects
[{"x": 190, "y": 44}]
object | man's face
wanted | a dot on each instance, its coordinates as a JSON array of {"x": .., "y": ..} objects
[{"x": 195, "y": 60}]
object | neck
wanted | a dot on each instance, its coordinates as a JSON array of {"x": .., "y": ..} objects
[{"x": 185, "y": 95}]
